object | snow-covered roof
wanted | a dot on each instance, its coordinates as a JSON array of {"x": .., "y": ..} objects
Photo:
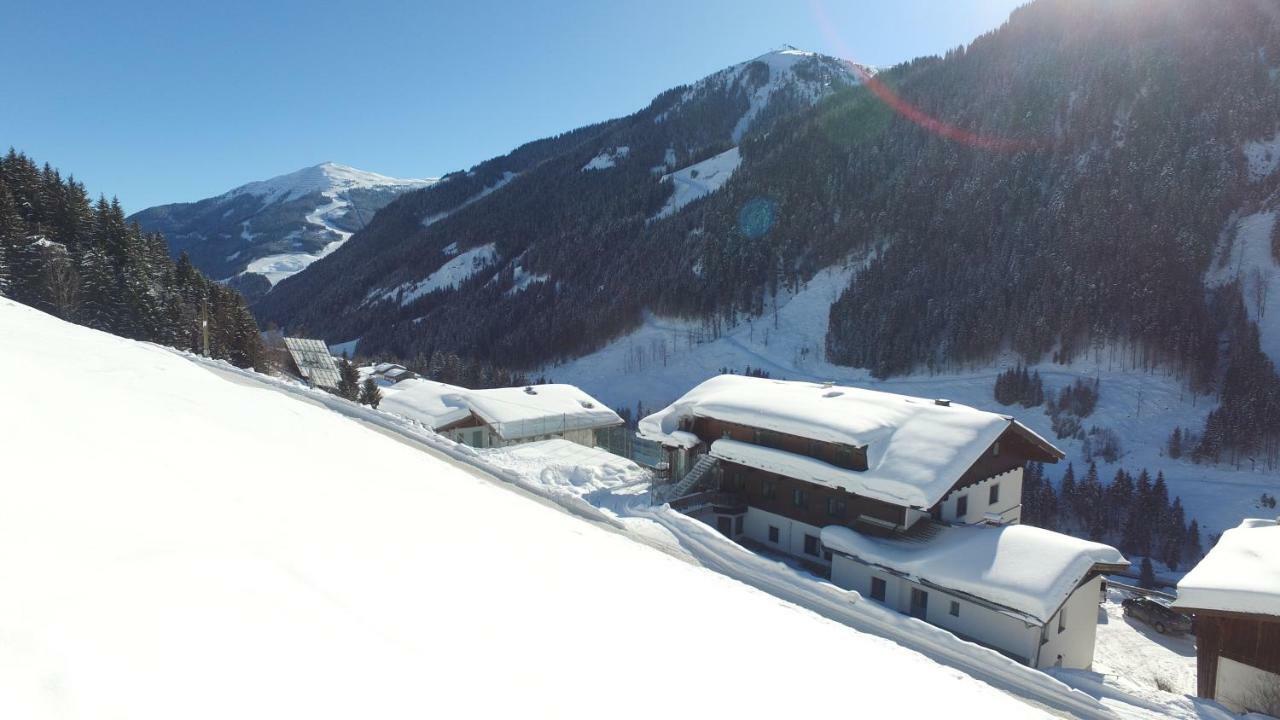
[
  {"x": 1023, "y": 568},
  {"x": 516, "y": 413},
  {"x": 433, "y": 404},
  {"x": 916, "y": 449},
  {"x": 1240, "y": 574}
]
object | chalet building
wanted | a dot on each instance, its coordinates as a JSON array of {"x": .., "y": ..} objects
[
  {"x": 390, "y": 373},
  {"x": 500, "y": 417},
  {"x": 884, "y": 492},
  {"x": 1234, "y": 593}
]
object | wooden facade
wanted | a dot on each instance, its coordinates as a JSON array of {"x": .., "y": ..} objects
[
  {"x": 805, "y": 502},
  {"x": 851, "y": 457},
  {"x": 820, "y": 505},
  {"x": 1253, "y": 640}
]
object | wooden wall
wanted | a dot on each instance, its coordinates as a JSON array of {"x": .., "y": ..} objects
[
  {"x": 751, "y": 483},
  {"x": 1250, "y": 640}
]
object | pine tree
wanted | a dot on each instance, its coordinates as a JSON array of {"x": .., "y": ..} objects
[
  {"x": 1191, "y": 548},
  {"x": 370, "y": 394},
  {"x": 1175, "y": 443},
  {"x": 1147, "y": 575},
  {"x": 1067, "y": 496},
  {"x": 348, "y": 380}
]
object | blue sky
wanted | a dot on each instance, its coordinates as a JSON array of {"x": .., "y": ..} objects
[{"x": 171, "y": 101}]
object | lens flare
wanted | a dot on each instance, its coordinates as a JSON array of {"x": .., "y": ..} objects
[{"x": 906, "y": 109}]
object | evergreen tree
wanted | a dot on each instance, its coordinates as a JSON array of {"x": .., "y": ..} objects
[
  {"x": 1147, "y": 575},
  {"x": 1191, "y": 549},
  {"x": 1175, "y": 443},
  {"x": 1067, "y": 494},
  {"x": 348, "y": 380},
  {"x": 370, "y": 393}
]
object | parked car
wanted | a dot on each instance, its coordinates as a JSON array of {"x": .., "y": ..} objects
[{"x": 1157, "y": 614}]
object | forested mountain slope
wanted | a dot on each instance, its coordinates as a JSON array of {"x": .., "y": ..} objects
[
  {"x": 1075, "y": 179},
  {"x": 84, "y": 263},
  {"x": 535, "y": 255}
]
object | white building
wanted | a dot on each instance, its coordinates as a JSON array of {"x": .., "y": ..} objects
[
  {"x": 499, "y": 417},
  {"x": 1235, "y": 595},
  {"x": 1027, "y": 592},
  {"x": 912, "y": 501}
]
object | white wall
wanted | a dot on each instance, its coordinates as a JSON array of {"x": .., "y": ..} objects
[
  {"x": 1009, "y": 501},
  {"x": 1075, "y": 642},
  {"x": 1240, "y": 685},
  {"x": 790, "y": 533},
  {"x": 975, "y": 622},
  {"x": 466, "y": 436}
]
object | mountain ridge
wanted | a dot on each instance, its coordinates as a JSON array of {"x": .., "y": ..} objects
[{"x": 263, "y": 231}]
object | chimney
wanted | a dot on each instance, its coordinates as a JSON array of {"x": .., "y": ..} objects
[{"x": 942, "y": 402}]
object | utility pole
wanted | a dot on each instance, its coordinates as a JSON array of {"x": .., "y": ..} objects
[{"x": 204, "y": 324}]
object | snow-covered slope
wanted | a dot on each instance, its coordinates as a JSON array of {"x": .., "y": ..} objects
[
  {"x": 800, "y": 76},
  {"x": 276, "y": 227},
  {"x": 699, "y": 180},
  {"x": 666, "y": 357},
  {"x": 183, "y": 541}
]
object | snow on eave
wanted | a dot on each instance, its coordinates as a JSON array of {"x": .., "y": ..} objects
[
  {"x": 818, "y": 472},
  {"x": 1241, "y": 574},
  {"x": 1022, "y": 569}
]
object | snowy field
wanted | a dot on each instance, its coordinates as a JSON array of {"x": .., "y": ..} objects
[
  {"x": 180, "y": 539},
  {"x": 666, "y": 357},
  {"x": 1139, "y": 657}
]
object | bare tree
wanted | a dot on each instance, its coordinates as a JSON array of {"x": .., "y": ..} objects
[
  {"x": 62, "y": 283},
  {"x": 1261, "y": 287}
]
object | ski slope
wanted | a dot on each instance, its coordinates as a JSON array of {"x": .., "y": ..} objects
[{"x": 180, "y": 539}]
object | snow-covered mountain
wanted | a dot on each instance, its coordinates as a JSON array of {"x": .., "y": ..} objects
[
  {"x": 224, "y": 545},
  {"x": 502, "y": 224},
  {"x": 277, "y": 227}
]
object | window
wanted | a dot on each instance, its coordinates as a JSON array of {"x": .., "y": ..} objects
[
  {"x": 877, "y": 589},
  {"x": 994, "y": 494},
  {"x": 826, "y": 555},
  {"x": 737, "y": 525},
  {"x": 955, "y": 609},
  {"x": 812, "y": 546},
  {"x": 768, "y": 489},
  {"x": 477, "y": 438},
  {"x": 1062, "y": 619},
  {"x": 799, "y": 498},
  {"x": 919, "y": 604},
  {"x": 962, "y": 507},
  {"x": 835, "y": 507},
  {"x": 773, "y": 534},
  {"x": 995, "y": 448}
]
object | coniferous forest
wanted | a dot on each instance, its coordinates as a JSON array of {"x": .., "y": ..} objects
[
  {"x": 1077, "y": 200},
  {"x": 80, "y": 260}
]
